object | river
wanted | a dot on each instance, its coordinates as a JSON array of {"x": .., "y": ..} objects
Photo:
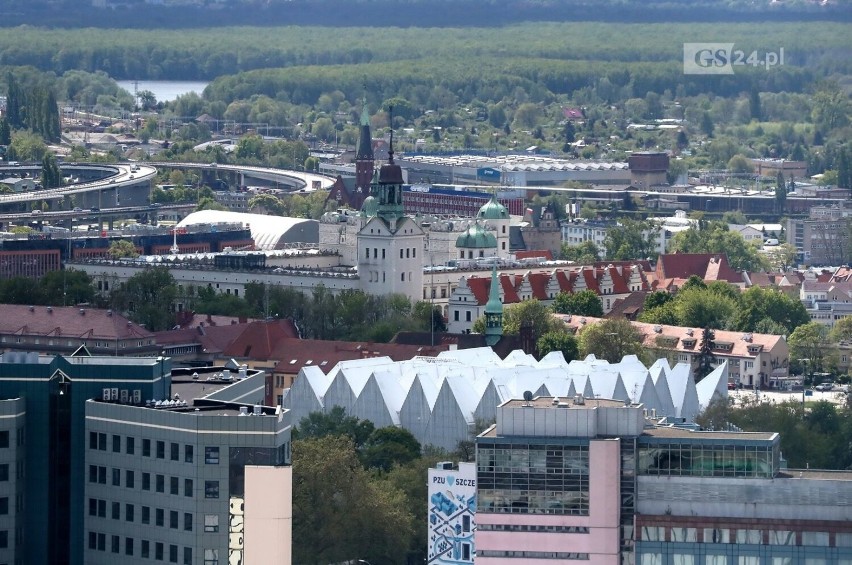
[{"x": 164, "y": 90}]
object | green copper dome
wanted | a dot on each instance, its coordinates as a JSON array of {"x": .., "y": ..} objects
[
  {"x": 493, "y": 210},
  {"x": 370, "y": 208},
  {"x": 476, "y": 237}
]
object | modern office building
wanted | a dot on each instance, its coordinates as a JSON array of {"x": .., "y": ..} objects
[
  {"x": 590, "y": 479},
  {"x": 105, "y": 459}
]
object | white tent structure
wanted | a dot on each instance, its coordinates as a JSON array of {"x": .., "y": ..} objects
[{"x": 444, "y": 400}]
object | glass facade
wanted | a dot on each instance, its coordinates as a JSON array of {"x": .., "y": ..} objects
[
  {"x": 701, "y": 459},
  {"x": 533, "y": 478}
]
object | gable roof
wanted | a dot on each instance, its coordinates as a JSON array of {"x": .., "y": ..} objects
[
  {"x": 708, "y": 266},
  {"x": 68, "y": 321}
]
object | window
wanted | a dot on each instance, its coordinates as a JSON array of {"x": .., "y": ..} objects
[
  {"x": 187, "y": 556},
  {"x": 146, "y": 481},
  {"x": 174, "y": 485},
  {"x": 116, "y": 477},
  {"x": 130, "y": 445},
  {"x": 211, "y": 523},
  {"x": 187, "y": 521},
  {"x": 175, "y": 451},
  {"x": 116, "y": 511},
  {"x": 456, "y": 316},
  {"x": 102, "y": 442},
  {"x": 102, "y": 475},
  {"x": 211, "y": 489},
  {"x": 173, "y": 553},
  {"x": 144, "y": 550},
  {"x": 146, "y": 514},
  {"x": 187, "y": 454},
  {"x": 146, "y": 448},
  {"x": 467, "y": 316},
  {"x": 93, "y": 540},
  {"x": 129, "y": 479},
  {"x": 161, "y": 483},
  {"x": 211, "y": 455},
  {"x": 211, "y": 557},
  {"x": 129, "y": 511},
  {"x": 93, "y": 440},
  {"x": 128, "y": 546},
  {"x": 93, "y": 507},
  {"x": 158, "y": 551},
  {"x": 161, "y": 450},
  {"x": 116, "y": 544},
  {"x": 400, "y": 253},
  {"x": 159, "y": 517},
  {"x": 187, "y": 487},
  {"x": 173, "y": 519},
  {"x": 116, "y": 444}
]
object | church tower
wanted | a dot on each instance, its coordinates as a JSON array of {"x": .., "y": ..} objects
[
  {"x": 493, "y": 312},
  {"x": 390, "y": 244},
  {"x": 364, "y": 158}
]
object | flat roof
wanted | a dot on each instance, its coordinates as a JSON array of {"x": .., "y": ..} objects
[
  {"x": 547, "y": 402},
  {"x": 815, "y": 474},
  {"x": 675, "y": 432}
]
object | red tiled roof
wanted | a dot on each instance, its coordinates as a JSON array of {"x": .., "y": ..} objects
[
  {"x": 708, "y": 266},
  {"x": 89, "y": 323},
  {"x": 510, "y": 289},
  {"x": 292, "y": 354},
  {"x": 538, "y": 283},
  {"x": 258, "y": 339}
]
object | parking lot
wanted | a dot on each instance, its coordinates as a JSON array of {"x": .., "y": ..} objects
[{"x": 779, "y": 397}]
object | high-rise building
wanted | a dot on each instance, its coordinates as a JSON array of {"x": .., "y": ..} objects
[
  {"x": 578, "y": 479},
  {"x": 108, "y": 458}
]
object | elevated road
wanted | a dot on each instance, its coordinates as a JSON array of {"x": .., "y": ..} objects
[
  {"x": 299, "y": 180},
  {"x": 117, "y": 175}
]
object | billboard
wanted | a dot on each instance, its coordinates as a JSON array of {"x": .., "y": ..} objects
[{"x": 451, "y": 514}]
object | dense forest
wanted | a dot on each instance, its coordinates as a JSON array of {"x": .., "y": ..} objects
[
  {"x": 381, "y": 13},
  {"x": 560, "y": 55}
]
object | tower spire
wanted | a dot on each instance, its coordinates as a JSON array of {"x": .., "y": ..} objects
[
  {"x": 390, "y": 146},
  {"x": 493, "y": 312}
]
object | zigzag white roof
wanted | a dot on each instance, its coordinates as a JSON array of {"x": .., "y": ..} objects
[{"x": 440, "y": 400}]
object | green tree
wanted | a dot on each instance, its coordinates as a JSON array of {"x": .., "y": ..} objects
[
  {"x": 5, "y": 132},
  {"x": 529, "y": 312},
  {"x": 250, "y": 147},
  {"x": 699, "y": 308},
  {"x": 335, "y": 422},
  {"x": 842, "y": 330},
  {"x": 611, "y": 339},
  {"x": 705, "y": 357},
  {"x": 583, "y": 253},
  {"x": 715, "y": 238},
  {"x": 559, "y": 341},
  {"x": 67, "y": 287},
  {"x": 830, "y": 106},
  {"x": 51, "y": 175},
  {"x": 758, "y": 304},
  {"x": 810, "y": 347},
  {"x": 122, "y": 248},
  {"x": 267, "y": 203},
  {"x": 632, "y": 240},
  {"x": 148, "y": 298},
  {"x": 389, "y": 447},
  {"x": 739, "y": 164},
  {"x": 340, "y": 512},
  {"x": 583, "y": 303},
  {"x": 656, "y": 299}
]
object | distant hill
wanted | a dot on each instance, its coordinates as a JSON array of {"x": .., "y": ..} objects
[{"x": 176, "y": 14}]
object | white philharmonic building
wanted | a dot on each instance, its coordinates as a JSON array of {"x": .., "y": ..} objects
[{"x": 443, "y": 400}]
